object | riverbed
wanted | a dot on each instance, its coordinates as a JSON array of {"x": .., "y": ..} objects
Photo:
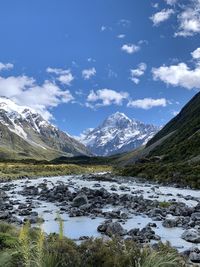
[{"x": 78, "y": 226}]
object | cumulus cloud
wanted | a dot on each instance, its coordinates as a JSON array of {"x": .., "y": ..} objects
[
  {"x": 106, "y": 97},
  {"x": 88, "y": 73},
  {"x": 135, "y": 74},
  {"x": 63, "y": 76},
  {"x": 180, "y": 74},
  {"x": 147, "y": 103},
  {"x": 130, "y": 48},
  {"x": 196, "y": 53},
  {"x": 24, "y": 90},
  {"x": 6, "y": 66},
  {"x": 161, "y": 16},
  {"x": 189, "y": 19}
]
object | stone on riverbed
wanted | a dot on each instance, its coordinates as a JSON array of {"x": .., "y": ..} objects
[
  {"x": 191, "y": 235},
  {"x": 112, "y": 229},
  {"x": 170, "y": 221},
  {"x": 4, "y": 215},
  {"x": 195, "y": 216},
  {"x": 80, "y": 200},
  {"x": 195, "y": 255}
]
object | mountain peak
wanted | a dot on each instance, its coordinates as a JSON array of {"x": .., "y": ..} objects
[
  {"x": 117, "y": 119},
  {"x": 118, "y": 133},
  {"x": 118, "y": 115}
]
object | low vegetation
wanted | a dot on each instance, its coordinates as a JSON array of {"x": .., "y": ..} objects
[
  {"x": 15, "y": 170},
  {"x": 32, "y": 248},
  {"x": 183, "y": 174}
]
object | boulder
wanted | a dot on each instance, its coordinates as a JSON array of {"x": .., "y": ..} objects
[
  {"x": 195, "y": 216},
  {"x": 112, "y": 229},
  {"x": 170, "y": 221},
  {"x": 80, "y": 200},
  {"x": 191, "y": 235}
]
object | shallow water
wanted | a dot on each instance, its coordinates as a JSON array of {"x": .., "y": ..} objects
[{"x": 85, "y": 226}]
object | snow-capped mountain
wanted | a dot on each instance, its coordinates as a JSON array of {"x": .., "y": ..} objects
[
  {"x": 117, "y": 134},
  {"x": 25, "y": 133}
]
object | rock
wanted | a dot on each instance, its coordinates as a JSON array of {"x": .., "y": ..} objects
[
  {"x": 195, "y": 216},
  {"x": 134, "y": 232},
  {"x": 83, "y": 238},
  {"x": 24, "y": 212},
  {"x": 191, "y": 235},
  {"x": 195, "y": 257},
  {"x": 152, "y": 224},
  {"x": 112, "y": 229},
  {"x": 80, "y": 200},
  {"x": 4, "y": 215},
  {"x": 22, "y": 206},
  {"x": 170, "y": 221}
]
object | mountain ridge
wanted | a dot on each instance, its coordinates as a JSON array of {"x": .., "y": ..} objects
[
  {"x": 36, "y": 136},
  {"x": 117, "y": 134}
]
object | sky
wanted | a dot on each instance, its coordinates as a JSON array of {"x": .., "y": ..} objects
[{"x": 77, "y": 62}]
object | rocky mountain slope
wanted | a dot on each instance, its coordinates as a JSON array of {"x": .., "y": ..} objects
[
  {"x": 117, "y": 134},
  {"x": 25, "y": 134}
]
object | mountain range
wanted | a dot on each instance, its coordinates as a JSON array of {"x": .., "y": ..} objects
[
  {"x": 26, "y": 134},
  {"x": 117, "y": 134}
]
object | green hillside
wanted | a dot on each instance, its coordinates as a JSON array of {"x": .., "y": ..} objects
[{"x": 173, "y": 154}]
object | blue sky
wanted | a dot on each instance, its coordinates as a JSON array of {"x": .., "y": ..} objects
[{"x": 76, "y": 62}]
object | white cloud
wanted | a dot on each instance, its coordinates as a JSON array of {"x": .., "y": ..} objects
[
  {"x": 130, "y": 48},
  {"x": 147, "y": 103},
  {"x": 136, "y": 73},
  {"x": 91, "y": 59},
  {"x": 178, "y": 75},
  {"x": 25, "y": 91},
  {"x": 121, "y": 36},
  {"x": 171, "y": 2},
  {"x": 155, "y": 5},
  {"x": 161, "y": 16},
  {"x": 174, "y": 112},
  {"x": 6, "y": 66},
  {"x": 125, "y": 23},
  {"x": 189, "y": 19},
  {"x": 106, "y": 97},
  {"x": 64, "y": 76},
  {"x": 88, "y": 73},
  {"x": 103, "y": 28},
  {"x": 196, "y": 53}
]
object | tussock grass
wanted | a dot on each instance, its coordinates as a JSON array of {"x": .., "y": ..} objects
[
  {"x": 34, "y": 249},
  {"x": 9, "y": 171}
]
